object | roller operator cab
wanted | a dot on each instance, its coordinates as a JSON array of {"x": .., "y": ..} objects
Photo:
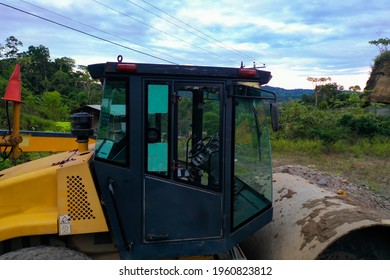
[{"x": 183, "y": 160}]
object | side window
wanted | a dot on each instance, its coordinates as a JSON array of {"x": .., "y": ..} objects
[
  {"x": 252, "y": 189},
  {"x": 112, "y": 139},
  {"x": 157, "y": 96},
  {"x": 198, "y": 132}
]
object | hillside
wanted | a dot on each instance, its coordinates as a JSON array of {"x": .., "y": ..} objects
[
  {"x": 287, "y": 94},
  {"x": 378, "y": 85}
]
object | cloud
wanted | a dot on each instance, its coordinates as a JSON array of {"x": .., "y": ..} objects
[
  {"x": 63, "y": 4},
  {"x": 295, "y": 39}
]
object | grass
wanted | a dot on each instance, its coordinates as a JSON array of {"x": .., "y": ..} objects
[
  {"x": 365, "y": 163},
  {"x": 63, "y": 126}
]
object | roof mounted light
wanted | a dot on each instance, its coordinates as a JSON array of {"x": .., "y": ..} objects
[
  {"x": 126, "y": 67},
  {"x": 247, "y": 72}
]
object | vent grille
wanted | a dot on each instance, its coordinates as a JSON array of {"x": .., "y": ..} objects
[{"x": 78, "y": 205}]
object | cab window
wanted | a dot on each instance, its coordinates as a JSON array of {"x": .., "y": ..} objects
[
  {"x": 198, "y": 134},
  {"x": 157, "y": 96},
  {"x": 252, "y": 190},
  {"x": 112, "y": 137}
]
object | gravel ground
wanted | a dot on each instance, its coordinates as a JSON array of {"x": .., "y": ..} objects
[{"x": 352, "y": 193}]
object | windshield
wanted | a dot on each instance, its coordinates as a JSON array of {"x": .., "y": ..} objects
[
  {"x": 252, "y": 156},
  {"x": 111, "y": 143}
]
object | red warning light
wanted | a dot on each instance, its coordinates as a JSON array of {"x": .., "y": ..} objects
[
  {"x": 126, "y": 67},
  {"x": 247, "y": 72}
]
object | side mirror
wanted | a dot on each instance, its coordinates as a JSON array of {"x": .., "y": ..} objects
[{"x": 274, "y": 111}]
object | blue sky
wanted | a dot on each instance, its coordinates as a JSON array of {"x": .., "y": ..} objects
[{"x": 295, "y": 39}]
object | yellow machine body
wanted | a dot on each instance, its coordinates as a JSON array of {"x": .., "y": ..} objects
[
  {"x": 52, "y": 195},
  {"x": 44, "y": 143}
]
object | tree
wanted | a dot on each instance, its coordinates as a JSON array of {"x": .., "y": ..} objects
[
  {"x": 355, "y": 88},
  {"x": 61, "y": 81},
  {"x": 87, "y": 86},
  {"x": 10, "y": 50},
  {"x": 50, "y": 88},
  {"x": 65, "y": 64},
  {"x": 35, "y": 69},
  {"x": 382, "y": 44},
  {"x": 328, "y": 93},
  {"x": 53, "y": 108},
  {"x": 317, "y": 82}
]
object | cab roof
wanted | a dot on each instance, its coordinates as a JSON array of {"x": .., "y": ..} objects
[{"x": 102, "y": 70}]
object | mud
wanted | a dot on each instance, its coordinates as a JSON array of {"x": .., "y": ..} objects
[
  {"x": 342, "y": 188},
  {"x": 289, "y": 194},
  {"x": 321, "y": 224},
  {"x": 323, "y": 227}
]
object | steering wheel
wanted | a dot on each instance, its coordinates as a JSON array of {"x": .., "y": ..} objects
[{"x": 200, "y": 146}]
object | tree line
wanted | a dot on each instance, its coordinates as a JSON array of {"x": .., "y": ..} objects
[{"x": 51, "y": 89}]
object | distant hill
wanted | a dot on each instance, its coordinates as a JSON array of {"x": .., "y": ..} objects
[{"x": 287, "y": 94}]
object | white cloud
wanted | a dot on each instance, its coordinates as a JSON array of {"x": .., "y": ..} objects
[{"x": 63, "y": 4}]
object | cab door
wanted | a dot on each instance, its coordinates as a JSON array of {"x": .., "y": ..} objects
[{"x": 183, "y": 191}]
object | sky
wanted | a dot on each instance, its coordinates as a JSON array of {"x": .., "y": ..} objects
[{"x": 294, "y": 39}]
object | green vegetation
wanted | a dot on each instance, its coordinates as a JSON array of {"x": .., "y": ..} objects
[
  {"x": 382, "y": 44},
  {"x": 348, "y": 123},
  {"x": 51, "y": 89},
  {"x": 354, "y": 145},
  {"x": 335, "y": 131}
]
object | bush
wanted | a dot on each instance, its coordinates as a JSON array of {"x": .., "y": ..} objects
[
  {"x": 366, "y": 125},
  {"x": 299, "y": 121},
  {"x": 29, "y": 122},
  {"x": 385, "y": 56},
  {"x": 350, "y": 124}
]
